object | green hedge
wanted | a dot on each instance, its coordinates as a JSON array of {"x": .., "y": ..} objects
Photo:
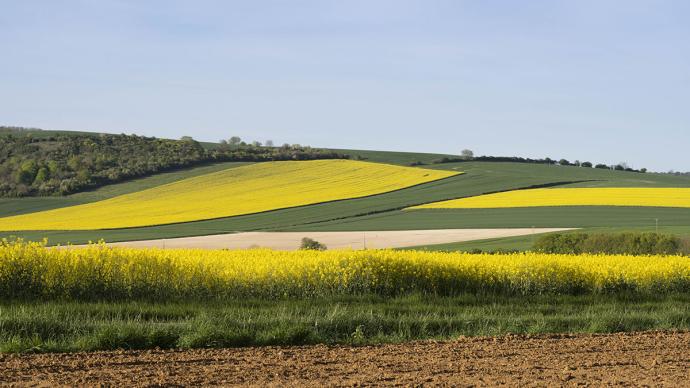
[{"x": 631, "y": 243}]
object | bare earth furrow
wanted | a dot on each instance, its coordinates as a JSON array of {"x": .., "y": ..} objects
[{"x": 648, "y": 358}]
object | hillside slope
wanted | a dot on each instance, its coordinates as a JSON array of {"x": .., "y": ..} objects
[
  {"x": 383, "y": 211},
  {"x": 248, "y": 189}
]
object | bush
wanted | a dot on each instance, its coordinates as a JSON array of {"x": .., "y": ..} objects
[
  {"x": 632, "y": 243},
  {"x": 312, "y": 245},
  {"x": 685, "y": 245}
]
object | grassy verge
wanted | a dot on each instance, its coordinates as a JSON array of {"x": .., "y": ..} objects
[
  {"x": 518, "y": 243},
  {"x": 71, "y": 326}
]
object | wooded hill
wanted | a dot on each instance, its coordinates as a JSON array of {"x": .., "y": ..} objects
[{"x": 59, "y": 164}]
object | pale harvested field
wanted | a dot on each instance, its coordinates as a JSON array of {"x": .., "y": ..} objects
[
  {"x": 334, "y": 240},
  {"x": 659, "y": 359}
]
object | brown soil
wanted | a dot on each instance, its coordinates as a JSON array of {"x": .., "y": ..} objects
[{"x": 640, "y": 359}]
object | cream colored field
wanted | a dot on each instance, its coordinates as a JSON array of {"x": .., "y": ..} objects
[
  {"x": 243, "y": 190},
  {"x": 334, "y": 240},
  {"x": 619, "y": 196}
]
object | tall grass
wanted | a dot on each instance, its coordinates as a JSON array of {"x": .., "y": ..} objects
[{"x": 80, "y": 326}]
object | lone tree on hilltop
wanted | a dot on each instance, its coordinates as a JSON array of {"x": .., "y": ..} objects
[
  {"x": 235, "y": 140},
  {"x": 467, "y": 154}
]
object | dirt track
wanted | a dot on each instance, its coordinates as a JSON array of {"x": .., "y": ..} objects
[
  {"x": 642, "y": 359},
  {"x": 335, "y": 240}
]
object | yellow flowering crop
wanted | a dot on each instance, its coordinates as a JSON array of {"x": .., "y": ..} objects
[
  {"x": 243, "y": 190},
  {"x": 618, "y": 196},
  {"x": 100, "y": 272}
]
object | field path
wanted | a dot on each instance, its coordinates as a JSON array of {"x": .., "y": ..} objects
[
  {"x": 638, "y": 359},
  {"x": 334, "y": 240}
]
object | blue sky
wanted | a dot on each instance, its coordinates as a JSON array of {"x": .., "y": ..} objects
[{"x": 605, "y": 81}]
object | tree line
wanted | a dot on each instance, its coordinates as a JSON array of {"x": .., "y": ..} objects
[
  {"x": 468, "y": 156},
  {"x": 65, "y": 164}
]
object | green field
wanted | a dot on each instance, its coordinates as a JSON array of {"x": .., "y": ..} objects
[
  {"x": 73, "y": 326},
  {"x": 542, "y": 217},
  {"x": 384, "y": 211}
]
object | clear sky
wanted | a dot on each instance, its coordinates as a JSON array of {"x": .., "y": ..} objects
[{"x": 605, "y": 81}]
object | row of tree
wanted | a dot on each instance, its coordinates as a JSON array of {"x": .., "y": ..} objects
[
  {"x": 65, "y": 164},
  {"x": 468, "y": 155}
]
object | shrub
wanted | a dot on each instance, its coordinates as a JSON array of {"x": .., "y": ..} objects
[
  {"x": 312, "y": 245},
  {"x": 685, "y": 245}
]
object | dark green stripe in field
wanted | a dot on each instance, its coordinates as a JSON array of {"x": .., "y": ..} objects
[
  {"x": 394, "y": 157},
  {"x": 540, "y": 217}
]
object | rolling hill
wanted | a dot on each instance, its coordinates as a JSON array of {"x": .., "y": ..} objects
[
  {"x": 249, "y": 189},
  {"x": 385, "y": 209}
]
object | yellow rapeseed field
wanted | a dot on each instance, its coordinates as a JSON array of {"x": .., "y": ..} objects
[
  {"x": 97, "y": 272},
  {"x": 618, "y": 196},
  {"x": 242, "y": 190}
]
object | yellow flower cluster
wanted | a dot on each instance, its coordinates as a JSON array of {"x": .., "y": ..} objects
[
  {"x": 243, "y": 190},
  {"x": 100, "y": 272},
  {"x": 600, "y": 196}
]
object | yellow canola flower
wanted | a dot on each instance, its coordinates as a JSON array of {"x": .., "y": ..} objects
[
  {"x": 242, "y": 190},
  {"x": 600, "y": 196},
  {"x": 97, "y": 271}
]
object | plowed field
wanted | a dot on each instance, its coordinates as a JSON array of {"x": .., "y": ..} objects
[{"x": 639, "y": 359}]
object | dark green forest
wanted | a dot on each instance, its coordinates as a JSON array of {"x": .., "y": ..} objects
[{"x": 60, "y": 164}]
